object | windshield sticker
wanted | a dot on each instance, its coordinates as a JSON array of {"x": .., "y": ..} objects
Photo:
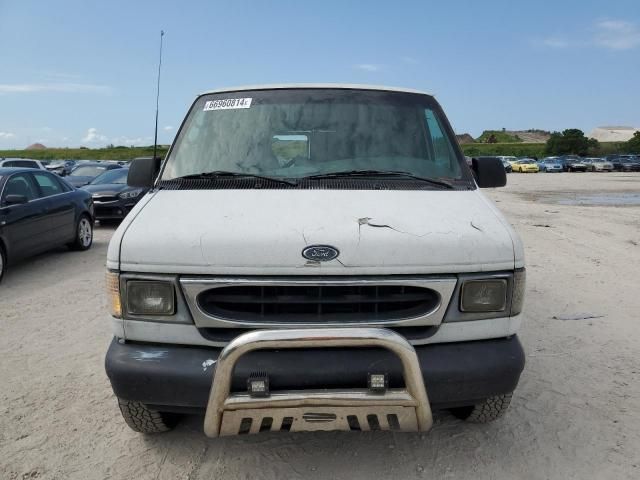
[{"x": 227, "y": 104}]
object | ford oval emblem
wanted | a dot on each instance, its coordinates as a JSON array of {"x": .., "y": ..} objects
[{"x": 320, "y": 253}]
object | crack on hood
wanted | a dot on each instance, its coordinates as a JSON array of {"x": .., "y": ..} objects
[
  {"x": 367, "y": 221},
  {"x": 476, "y": 227}
]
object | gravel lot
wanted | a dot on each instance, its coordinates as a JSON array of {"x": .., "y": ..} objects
[{"x": 576, "y": 413}]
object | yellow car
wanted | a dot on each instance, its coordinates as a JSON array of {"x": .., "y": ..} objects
[{"x": 525, "y": 166}]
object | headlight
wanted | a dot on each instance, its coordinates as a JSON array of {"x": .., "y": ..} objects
[
  {"x": 113, "y": 293},
  {"x": 130, "y": 194},
  {"x": 484, "y": 295},
  {"x": 147, "y": 297}
]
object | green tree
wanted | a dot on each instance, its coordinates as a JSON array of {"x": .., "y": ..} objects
[
  {"x": 633, "y": 145},
  {"x": 571, "y": 141}
]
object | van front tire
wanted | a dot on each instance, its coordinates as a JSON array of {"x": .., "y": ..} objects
[
  {"x": 142, "y": 419},
  {"x": 488, "y": 411}
]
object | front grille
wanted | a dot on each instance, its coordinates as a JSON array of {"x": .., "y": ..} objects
[
  {"x": 105, "y": 198},
  {"x": 317, "y": 303}
]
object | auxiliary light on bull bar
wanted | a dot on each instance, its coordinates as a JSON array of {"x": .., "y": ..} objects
[
  {"x": 377, "y": 382},
  {"x": 258, "y": 385}
]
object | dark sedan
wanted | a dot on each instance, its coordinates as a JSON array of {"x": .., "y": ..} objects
[
  {"x": 113, "y": 199},
  {"x": 572, "y": 163},
  {"x": 84, "y": 173},
  {"x": 40, "y": 211},
  {"x": 626, "y": 163}
]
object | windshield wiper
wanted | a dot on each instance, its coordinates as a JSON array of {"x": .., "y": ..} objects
[
  {"x": 379, "y": 173},
  {"x": 224, "y": 174}
]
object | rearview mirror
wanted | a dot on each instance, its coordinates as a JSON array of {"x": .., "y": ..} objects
[
  {"x": 143, "y": 172},
  {"x": 287, "y": 148},
  {"x": 489, "y": 172},
  {"x": 15, "y": 199}
]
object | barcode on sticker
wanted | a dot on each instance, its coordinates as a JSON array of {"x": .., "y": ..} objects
[{"x": 227, "y": 104}]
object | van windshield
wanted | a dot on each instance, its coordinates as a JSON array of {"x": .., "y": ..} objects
[{"x": 303, "y": 132}]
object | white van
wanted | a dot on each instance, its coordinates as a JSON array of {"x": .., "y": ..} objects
[{"x": 314, "y": 257}]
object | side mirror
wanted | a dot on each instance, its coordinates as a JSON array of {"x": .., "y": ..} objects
[
  {"x": 15, "y": 199},
  {"x": 489, "y": 172},
  {"x": 143, "y": 172}
]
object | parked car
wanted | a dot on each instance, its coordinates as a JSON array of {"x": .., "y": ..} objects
[
  {"x": 22, "y": 163},
  {"x": 595, "y": 164},
  {"x": 509, "y": 159},
  {"x": 526, "y": 165},
  {"x": 84, "y": 173},
  {"x": 550, "y": 165},
  {"x": 626, "y": 163},
  {"x": 113, "y": 199},
  {"x": 573, "y": 164},
  {"x": 40, "y": 211},
  {"x": 267, "y": 235},
  {"x": 62, "y": 168}
]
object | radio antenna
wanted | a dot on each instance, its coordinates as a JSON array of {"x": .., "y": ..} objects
[{"x": 155, "y": 136}]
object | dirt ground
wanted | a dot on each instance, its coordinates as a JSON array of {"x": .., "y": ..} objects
[{"x": 575, "y": 414}]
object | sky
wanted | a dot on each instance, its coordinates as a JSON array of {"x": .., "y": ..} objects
[{"x": 84, "y": 72}]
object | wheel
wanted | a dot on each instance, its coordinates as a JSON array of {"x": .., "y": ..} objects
[
  {"x": 3, "y": 262},
  {"x": 142, "y": 419},
  {"x": 487, "y": 411},
  {"x": 84, "y": 234}
]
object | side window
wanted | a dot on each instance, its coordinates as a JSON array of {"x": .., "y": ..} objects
[
  {"x": 444, "y": 157},
  {"x": 20, "y": 184},
  {"x": 48, "y": 184},
  {"x": 21, "y": 164}
]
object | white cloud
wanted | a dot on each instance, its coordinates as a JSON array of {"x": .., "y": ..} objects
[
  {"x": 168, "y": 128},
  {"x": 93, "y": 136},
  {"x": 7, "y": 135},
  {"x": 368, "y": 67},
  {"x": 410, "y": 60},
  {"x": 609, "y": 34},
  {"x": 137, "y": 141},
  {"x": 8, "y": 88},
  {"x": 556, "y": 42},
  {"x": 617, "y": 35}
]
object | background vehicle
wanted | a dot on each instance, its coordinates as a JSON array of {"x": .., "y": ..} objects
[
  {"x": 278, "y": 220},
  {"x": 22, "y": 163},
  {"x": 509, "y": 159},
  {"x": 525, "y": 165},
  {"x": 507, "y": 166},
  {"x": 550, "y": 164},
  {"x": 112, "y": 197},
  {"x": 84, "y": 173},
  {"x": 595, "y": 164},
  {"x": 62, "y": 168},
  {"x": 626, "y": 163},
  {"x": 39, "y": 211},
  {"x": 573, "y": 164}
]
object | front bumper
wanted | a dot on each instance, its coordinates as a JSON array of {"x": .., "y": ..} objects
[
  {"x": 179, "y": 378},
  {"x": 113, "y": 210}
]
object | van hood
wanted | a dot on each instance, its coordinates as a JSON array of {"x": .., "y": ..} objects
[{"x": 263, "y": 232}]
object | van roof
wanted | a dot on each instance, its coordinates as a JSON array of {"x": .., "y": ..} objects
[{"x": 341, "y": 86}]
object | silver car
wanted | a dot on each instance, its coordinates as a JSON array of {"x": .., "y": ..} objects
[{"x": 598, "y": 165}]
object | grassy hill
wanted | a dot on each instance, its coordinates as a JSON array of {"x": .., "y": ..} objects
[
  {"x": 115, "y": 153},
  {"x": 499, "y": 136},
  {"x": 514, "y": 136},
  {"x": 518, "y": 149},
  {"x": 528, "y": 149}
]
